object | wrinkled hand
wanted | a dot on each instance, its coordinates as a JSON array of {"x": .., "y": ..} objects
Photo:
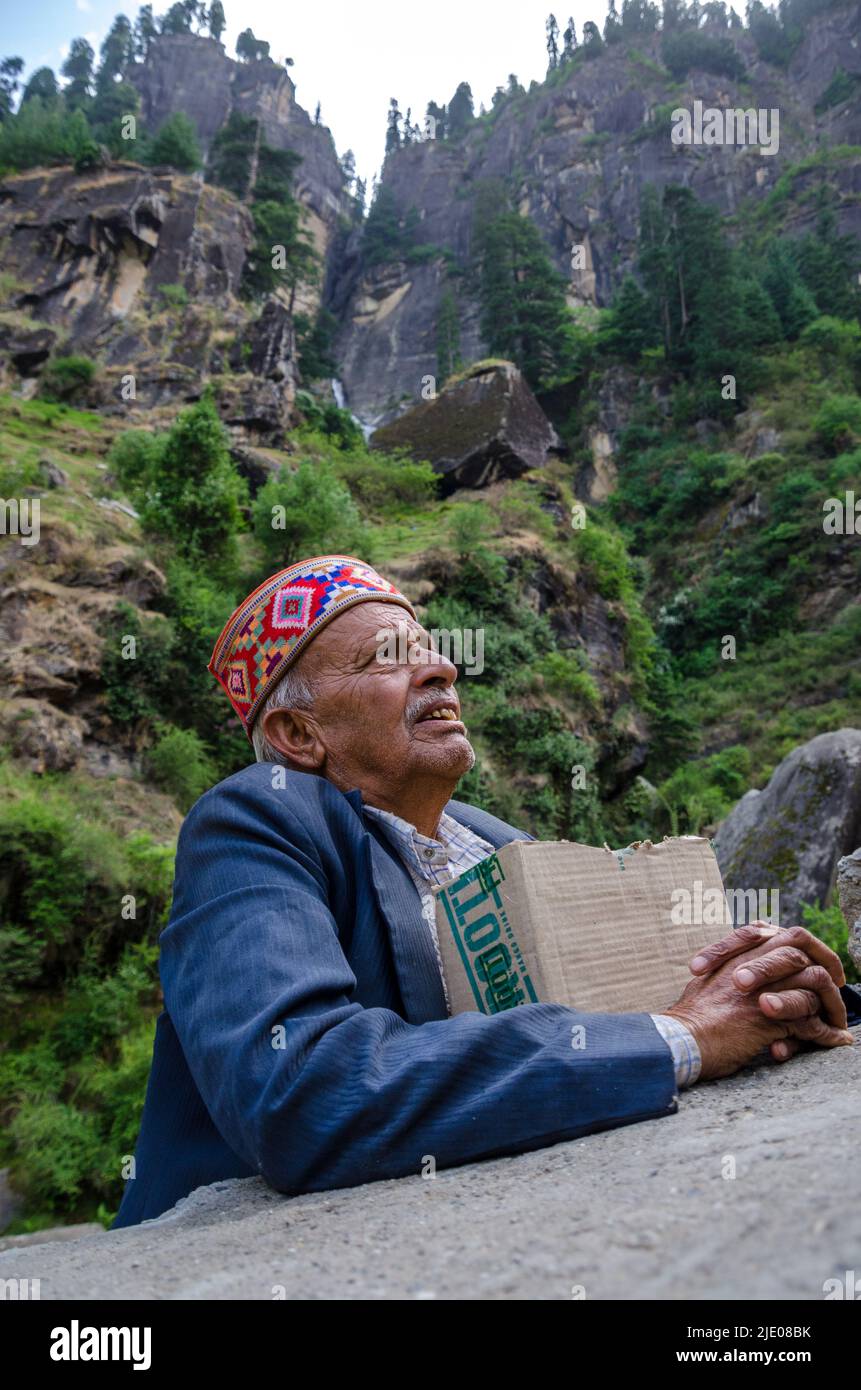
[
  {"x": 798, "y": 966},
  {"x": 762, "y": 986}
]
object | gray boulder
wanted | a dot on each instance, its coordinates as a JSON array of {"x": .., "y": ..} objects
[
  {"x": 791, "y": 835},
  {"x": 484, "y": 425},
  {"x": 849, "y": 894}
]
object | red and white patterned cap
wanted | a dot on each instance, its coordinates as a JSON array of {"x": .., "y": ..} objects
[{"x": 269, "y": 629}]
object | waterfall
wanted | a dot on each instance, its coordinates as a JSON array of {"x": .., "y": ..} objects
[{"x": 341, "y": 403}]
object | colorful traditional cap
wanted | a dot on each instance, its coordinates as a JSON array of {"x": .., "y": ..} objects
[{"x": 273, "y": 625}]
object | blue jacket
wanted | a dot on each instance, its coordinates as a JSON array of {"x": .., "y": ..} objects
[{"x": 305, "y": 1034}]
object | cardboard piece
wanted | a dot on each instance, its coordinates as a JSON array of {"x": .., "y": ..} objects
[{"x": 606, "y": 931}]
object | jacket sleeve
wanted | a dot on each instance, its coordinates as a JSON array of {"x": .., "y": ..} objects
[{"x": 315, "y": 1091}]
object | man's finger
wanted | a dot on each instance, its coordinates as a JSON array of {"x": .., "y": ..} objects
[
  {"x": 816, "y": 1030},
  {"x": 816, "y": 950},
  {"x": 741, "y": 939},
  {"x": 813, "y": 978},
  {"x": 784, "y": 1049},
  {"x": 790, "y": 1004},
  {"x": 774, "y": 965},
  {"x": 760, "y": 938}
]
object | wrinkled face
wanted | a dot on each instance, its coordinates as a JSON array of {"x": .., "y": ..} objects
[{"x": 385, "y": 707}]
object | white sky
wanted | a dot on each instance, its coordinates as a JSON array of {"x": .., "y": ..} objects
[{"x": 353, "y": 55}]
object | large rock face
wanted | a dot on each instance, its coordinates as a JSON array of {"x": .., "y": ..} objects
[
  {"x": 94, "y": 251},
  {"x": 140, "y": 270},
  {"x": 191, "y": 73},
  {"x": 483, "y": 426},
  {"x": 577, "y": 156},
  {"x": 790, "y": 836}
]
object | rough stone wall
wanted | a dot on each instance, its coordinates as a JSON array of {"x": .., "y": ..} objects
[{"x": 639, "y": 1212}]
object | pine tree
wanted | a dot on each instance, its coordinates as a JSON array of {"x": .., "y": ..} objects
[
  {"x": 43, "y": 84},
  {"x": 249, "y": 49},
  {"x": 448, "y": 354},
  {"x": 10, "y": 70},
  {"x": 612, "y": 26},
  {"x": 176, "y": 144},
  {"x": 175, "y": 20},
  {"x": 461, "y": 112},
  {"x": 827, "y": 262},
  {"x": 78, "y": 67},
  {"x": 788, "y": 292},
  {"x": 348, "y": 168},
  {"x": 359, "y": 199},
  {"x": 232, "y": 153},
  {"x": 117, "y": 51},
  {"x": 145, "y": 30},
  {"x": 524, "y": 316},
  {"x": 383, "y": 235},
  {"x": 592, "y": 42},
  {"x": 632, "y": 326},
  {"x": 437, "y": 114},
  {"x": 673, "y": 15},
  {"x": 217, "y": 21},
  {"x": 552, "y": 29},
  {"x": 569, "y": 38},
  {"x": 393, "y": 127}
]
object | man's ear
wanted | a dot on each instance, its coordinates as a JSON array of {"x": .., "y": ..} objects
[{"x": 296, "y": 736}]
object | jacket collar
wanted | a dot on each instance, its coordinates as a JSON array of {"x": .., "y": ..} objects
[{"x": 411, "y": 944}]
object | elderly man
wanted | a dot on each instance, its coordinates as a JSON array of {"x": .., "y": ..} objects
[{"x": 306, "y": 1034}]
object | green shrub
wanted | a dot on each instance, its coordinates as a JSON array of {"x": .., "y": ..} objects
[
  {"x": 166, "y": 680},
  {"x": 180, "y": 763},
  {"x": 698, "y": 795},
  {"x": 59, "y": 1150},
  {"x": 307, "y": 512},
  {"x": 64, "y": 378},
  {"x": 43, "y": 134},
  {"x": 565, "y": 675},
  {"x": 73, "y": 1076},
  {"x": 386, "y": 483},
  {"x": 470, "y": 525},
  {"x": 176, "y": 144},
  {"x": 842, "y": 87},
  {"x": 63, "y": 874},
  {"x": 185, "y": 485},
  {"x": 176, "y": 296},
  {"x": 691, "y": 49},
  {"x": 829, "y": 924},
  {"x": 18, "y": 474},
  {"x": 833, "y": 338},
  {"x": 838, "y": 422},
  {"x": 330, "y": 421}
]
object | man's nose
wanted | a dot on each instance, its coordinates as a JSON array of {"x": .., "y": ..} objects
[{"x": 433, "y": 668}]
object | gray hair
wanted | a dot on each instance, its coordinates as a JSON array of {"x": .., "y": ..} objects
[{"x": 293, "y": 691}]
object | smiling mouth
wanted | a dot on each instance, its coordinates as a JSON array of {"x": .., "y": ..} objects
[{"x": 440, "y": 715}]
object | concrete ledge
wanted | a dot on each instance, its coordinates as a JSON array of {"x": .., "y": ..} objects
[{"x": 639, "y": 1212}]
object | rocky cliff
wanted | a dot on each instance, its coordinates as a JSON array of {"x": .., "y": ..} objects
[
  {"x": 193, "y": 74},
  {"x": 576, "y": 156}
]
